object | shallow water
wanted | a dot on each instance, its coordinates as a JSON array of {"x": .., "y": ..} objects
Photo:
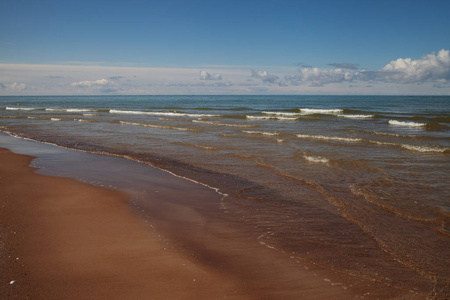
[{"x": 357, "y": 184}]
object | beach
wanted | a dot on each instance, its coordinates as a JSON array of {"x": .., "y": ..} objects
[
  {"x": 66, "y": 240},
  {"x": 63, "y": 239},
  {"x": 311, "y": 197}
]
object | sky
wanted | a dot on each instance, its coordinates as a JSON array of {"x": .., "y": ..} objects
[{"x": 61, "y": 47}]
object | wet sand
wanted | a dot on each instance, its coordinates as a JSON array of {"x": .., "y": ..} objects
[{"x": 63, "y": 239}]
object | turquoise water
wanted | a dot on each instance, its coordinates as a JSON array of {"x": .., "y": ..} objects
[{"x": 316, "y": 175}]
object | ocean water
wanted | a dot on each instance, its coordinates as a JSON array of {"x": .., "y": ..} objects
[{"x": 356, "y": 184}]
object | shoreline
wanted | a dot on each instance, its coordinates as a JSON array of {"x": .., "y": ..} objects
[
  {"x": 63, "y": 239},
  {"x": 96, "y": 246}
]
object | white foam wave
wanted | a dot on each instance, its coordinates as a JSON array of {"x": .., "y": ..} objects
[
  {"x": 79, "y": 110},
  {"x": 260, "y": 132},
  {"x": 424, "y": 148},
  {"x": 276, "y": 113},
  {"x": 309, "y": 111},
  {"x": 330, "y": 138},
  {"x": 159, "y": 113},
  {"x": 316, "y": 159},
  {"x": 70, "y": 109},
  {"x": 55, "y": 119},
  {"x": 221, "y": 124},
  {"x": 417, "y": 148},
  {"x": 356, "y": 116},
  {"x": 260, "y": 117},
  {"x": 273, "y": 117},
  {"x": 409, "y": 124},
  {"x": 21, "y": 108},
  {"x": 154, "y": 126}
]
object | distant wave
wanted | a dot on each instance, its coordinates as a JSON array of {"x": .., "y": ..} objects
[
  {"x": 286, "y": 114},
  {"x": 316, "y": 159},
  {"x": 260, "y": 132},
  {"x": 408, "y": 124},
  {"x": 417, "y": 148},
  {"x": 329, "y": 138},
  {"x": 310, "y": 111},
  {"x": 159, "y": 113},
  {"x": 260, "y": 117},
  {"x": 71, "y": 109},
  {"x": 274, "y": 117},
  {"x": 356, "y": 116},
  {"x": 21, "y": 108},
  {"x": 221, "y": 124},
  {"x": 155, "y": 126}
]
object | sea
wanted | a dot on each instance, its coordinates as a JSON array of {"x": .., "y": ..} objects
[{"x": 355, "y": 184}]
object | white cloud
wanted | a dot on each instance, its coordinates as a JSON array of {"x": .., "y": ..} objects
[
  {"x": 14, "y": 86},
  {"x": 318, "y": 77},
  {"x": 431, "y": 68},
  {"x": 264, "y": 76},
  {"x": 88, "y": 83},
  {"x": 206, "y": 76},
  {"x": 103, "y": 85}
]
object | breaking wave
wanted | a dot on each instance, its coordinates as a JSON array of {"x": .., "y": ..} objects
[
  {"x": 408, "y": 124},
  {"x": 159, "y": 113},
  {"x": 329, "y": 138},
  {"x": 310, "y": 111}
]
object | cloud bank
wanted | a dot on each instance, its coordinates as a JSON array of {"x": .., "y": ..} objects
[
  {"x": 318, "y": 77},
  {"x": 14, "y": 86},
  {"x": 103, "y": 85},
  {"x": 206, "y": 76},
  {"x": 431, "y": 68},
  {"x": 427, "y": 75},
  {"x": 264, "y": 76}
]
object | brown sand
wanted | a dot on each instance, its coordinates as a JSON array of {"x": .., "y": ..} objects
[{"x": 62, "y": 239}]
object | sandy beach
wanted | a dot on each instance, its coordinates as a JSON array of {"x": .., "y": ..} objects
[{"x": 63, "y": 239}]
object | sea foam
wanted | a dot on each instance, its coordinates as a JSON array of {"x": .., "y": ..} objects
[
  {"x": 21, "y": 108},
  {"x": 221, "y": 124},
  {"x": 409, "y": 124},
  {"x": 154, "y": 126},
  {"x": 260, "y": 132},
  {"x": 285, "y": 114},
  {"x": 356, "y": 116},
  {"x": 329, "y": 138},
  {"x": 159, "y": 113},
  {"x": 316, "y": 159},
  {"x": 71, "y": 109},
  {"x": 310, "y": 111},
  {"x": 271, "y": 117}
]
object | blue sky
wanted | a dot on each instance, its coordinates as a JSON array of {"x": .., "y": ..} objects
[{"x": 252, "y": 47}]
